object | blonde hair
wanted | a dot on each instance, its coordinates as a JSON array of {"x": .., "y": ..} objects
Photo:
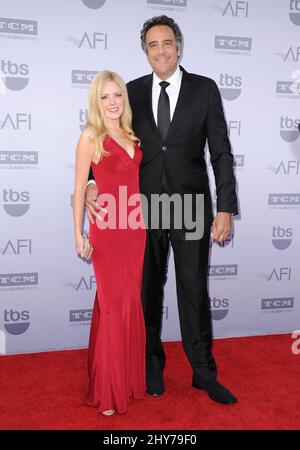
[{"x": 96, "y": 122}]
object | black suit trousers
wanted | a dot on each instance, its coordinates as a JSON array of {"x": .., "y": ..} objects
[{"x": 191, "y": 263}]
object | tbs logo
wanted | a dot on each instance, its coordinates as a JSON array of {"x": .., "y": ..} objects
[
  {"x": 15, "y": 75},
  {"x": 219, "y": 308},
  {"x": 230, "y": 86},
  {"x": 282, "y": 237},
  {"x": 93, "y": 4},
  {"x": 288, "y": 128},
  {"x": 16, "y": 322},
  {"x": 294, "y": 13},
  {"x": 16, "y": 203}
]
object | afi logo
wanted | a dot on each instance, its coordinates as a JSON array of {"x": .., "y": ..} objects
[
  {"x": 228, "y": 241},
  {"x": 237, "y": 8},
  {"x": 16, "y": 122},
  {"x": 86, "y": 284},
  {"x": 234, "y": 126},
  {"x": 293, "y": 55},
  {"x": 288, "y": 168},
  {"x": 92, "y": 41},
  {"x": 284, "y": 273},
  {"x": 20, "y": 246}
]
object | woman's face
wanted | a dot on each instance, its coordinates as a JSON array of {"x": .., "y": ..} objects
[{"x": 112, "y": 101}]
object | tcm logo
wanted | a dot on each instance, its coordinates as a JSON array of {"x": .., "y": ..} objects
[
  {"x": 219, "y": 308},
  {"x": 92, "y": 41},
  {"x": 292, "y": 54},
  {"x": 294, "y": 13},
  {"x": 239, "y": 161},
  {"x": 15, "y": 203},
  {"x": 287, "y": 88},
  {"x": 83, "y": 115},
  {"x": 19, "y": 27},
  {"x": 284, "y": 200},
  {"x": 18, "y": 279},
  {"x": 234, "y": 9},
  {"x": 93, "y": 4},
  {"x": 15, "y": 77},
  {"x": 230, "y": 86},
  {"x": 168, "y": 2},
  {"x": 18, "y": 247},
  {"x": 276, "y": 304},
  {"x": 281, "y": 237},
  {"x": 83, "y": 77},
  {"x": 16, "y": 121},
  {"x": 20, "y": 158},
  {"x": 281, "y": 274},
  {"x": 233, "y": 43},
  {"x": 16, "y": 322},
  {"x": 80, "y": 315},
  {"x": 234, "y": 127},
  {"x": 289, "y": 128},
  {"x": 223, "y": 270}
]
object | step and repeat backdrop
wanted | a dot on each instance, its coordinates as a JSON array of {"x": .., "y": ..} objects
[{"x": 50, "y": 52}]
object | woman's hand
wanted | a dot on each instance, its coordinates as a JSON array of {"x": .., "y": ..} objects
[{"x": 83, "y": 252}]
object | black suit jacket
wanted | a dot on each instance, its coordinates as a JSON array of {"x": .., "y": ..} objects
[{"x": 198, "y": 117}]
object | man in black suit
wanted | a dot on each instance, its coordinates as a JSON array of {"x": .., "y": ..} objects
[{"x": 174, "y": 113}]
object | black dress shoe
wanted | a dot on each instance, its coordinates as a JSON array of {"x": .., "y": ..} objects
[
  {"x": 154, "y": 382},
  {"x": 216, "y": 391}
]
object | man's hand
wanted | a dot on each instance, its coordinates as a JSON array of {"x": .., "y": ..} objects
[
  {"x": 221, "y": 226},
  {"x": 92, "y": 207}
]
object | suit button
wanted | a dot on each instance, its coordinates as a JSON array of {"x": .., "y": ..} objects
[{"x": 164, "y": 148}]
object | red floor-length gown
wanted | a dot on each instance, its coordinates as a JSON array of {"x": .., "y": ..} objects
[{"x": 116, "y": 356}]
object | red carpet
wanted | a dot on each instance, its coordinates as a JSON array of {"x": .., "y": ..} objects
[{"x": 45, "y": 390}]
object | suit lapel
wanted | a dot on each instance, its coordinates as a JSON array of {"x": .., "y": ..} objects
[
  {"x": 149, "y": 109},
  {"x": 184, "y": 98}
]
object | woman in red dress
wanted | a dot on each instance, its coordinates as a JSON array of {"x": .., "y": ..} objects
[{"x": 116, "y": 355}]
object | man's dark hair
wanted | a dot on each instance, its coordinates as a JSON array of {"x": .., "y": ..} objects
[{"x": 161, "y": 20}]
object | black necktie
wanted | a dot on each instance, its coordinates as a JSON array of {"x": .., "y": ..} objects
[{"x": 163, "y": 110}]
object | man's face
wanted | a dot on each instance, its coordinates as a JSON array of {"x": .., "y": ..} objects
[{"x": 162, "y": 51}]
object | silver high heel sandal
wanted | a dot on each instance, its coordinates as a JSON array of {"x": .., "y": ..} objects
[{"x": 108, "y": 412}]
